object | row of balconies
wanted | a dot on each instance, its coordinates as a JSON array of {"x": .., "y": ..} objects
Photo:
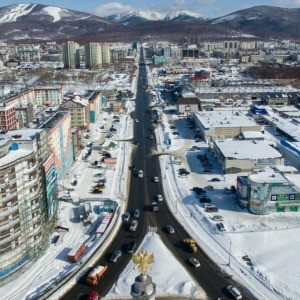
[{"x": 5, "y": 226}]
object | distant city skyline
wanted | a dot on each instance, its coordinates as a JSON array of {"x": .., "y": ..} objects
[{"x": 206, "y": 8}]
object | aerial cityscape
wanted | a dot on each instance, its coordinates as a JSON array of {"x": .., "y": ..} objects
[{"x": 150, "y": 150}]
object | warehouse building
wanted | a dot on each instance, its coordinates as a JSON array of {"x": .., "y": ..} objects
[
  {"x": 223, "y": 124},
  {"x": 244, "y": 156}
]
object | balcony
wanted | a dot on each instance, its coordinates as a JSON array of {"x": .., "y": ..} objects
[
  {"x": 11, "y": 237},
  {"x": 9, "y": 224},
  {"x": 9, "y": 211}
]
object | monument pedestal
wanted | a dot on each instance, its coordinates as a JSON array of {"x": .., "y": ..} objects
[{"x": 143, "y": 288}]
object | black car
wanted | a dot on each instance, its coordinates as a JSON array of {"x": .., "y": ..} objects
[
  {"x": 131, "y": 247},
  {"x": 221, "y": 227},
  {"x": 197, "y": 190},
  {"x": 134, "y": 142},
  {"x": 205, "y": 200},
  {"x": 182, "y": 170},
  {"x": 133, "y": 168},
  {"x": 216, "y": 180}
]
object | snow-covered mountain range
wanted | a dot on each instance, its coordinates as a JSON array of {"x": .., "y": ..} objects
[
  {"x": 144, "y": 15},
  {"x": 36, "y": 22}
]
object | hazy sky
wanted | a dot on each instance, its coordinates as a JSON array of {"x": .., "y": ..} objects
[{"x": 207, "y": 8}]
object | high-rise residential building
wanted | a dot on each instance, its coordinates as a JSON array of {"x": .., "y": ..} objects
[
  {"x": 8, "y": 119},
  {"x": 71, "y": 55},
  {"x": 93, "y": 56},
  {"x": 24, "y": 226},
  {"x": 105, "y": 54}
]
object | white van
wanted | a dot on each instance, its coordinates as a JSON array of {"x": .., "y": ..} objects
[
  {"x": 234, "y": 292},
  {"x": 141, "y": 173}
]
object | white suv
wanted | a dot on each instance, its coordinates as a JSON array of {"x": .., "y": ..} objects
[
  {"x": 234, "y": 292},
  {"x": 141, "y": 173}
]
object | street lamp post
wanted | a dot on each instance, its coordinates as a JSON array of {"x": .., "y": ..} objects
[{"x": 229, "y": 254}]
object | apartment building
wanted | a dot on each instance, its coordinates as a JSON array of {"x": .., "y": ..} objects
[
  {"x": 8, "y": 118},
  {"x": 93, "y": 56},
  {"x": 50, "y": 96},
  {"x": 24, "y": 229},
  {"x": 79, "y": 110},
  {"x": 106, "y": 59},
  {"x": 71, "y": 56}
]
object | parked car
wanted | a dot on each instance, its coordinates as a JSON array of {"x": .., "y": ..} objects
[
  {"x": 197, "y": 190},
  {"x": 194, "y": 262},
  {"x": 115, "y": 256},
  {"x": 216, "y": 179},
  {"x": 131, "y": 247},
  {"x": 234, "y": 292},
  {"x": 205, "y": 199},
  {"x": 210, "y": 187},
  {"x": 170, "y": 229},
  {"x": 217, "y": 218},
  {"x": 136, "y": 213},
  {"x": 133, "y": 168},
  {"x": 220, "y": 227},
  {"x": 126, "y": 216}
]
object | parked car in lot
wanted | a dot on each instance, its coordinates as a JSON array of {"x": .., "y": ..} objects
[
  {"x": 197, "y": 190},
  {"x": 216, "y": 179},
  {"x": 220, "y": 227},
  {"x": 210, "y": 187},
  {"x": 234, "y": 292},
  {"x": 136, "y": 213},
  {"x": 205, "y": 199},
  {"x": 126, "y": 216},
  {"x": 217, "y": 218},
  {"x": 131, "y": 247},
  {"x": 133, "y": 225},
  {"x": 170, "y": 229},
  {"x": 194, "y": 262},
  {"x": 115, "y": 256}
]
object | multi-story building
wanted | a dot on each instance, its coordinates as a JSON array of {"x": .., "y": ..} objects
[
  {"x": 8, "y": 118},
  {"x": 93, "y": 56},
  {"x": 50, "y": 96},
  {"x": 105, "y": 54},
  {"x": 79, "y": 110},
  {"x": 71, "y": 55},
  {"x": 95, "y": 104},
  {"x": 24, "y": 114},
  {"x": 24, "y": 229},
  {"x": 57, "y": 125},
  {"x": 30, "y": 55}
]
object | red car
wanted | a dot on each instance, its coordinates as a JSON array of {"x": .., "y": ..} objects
[{"x": 93, "y": 296}]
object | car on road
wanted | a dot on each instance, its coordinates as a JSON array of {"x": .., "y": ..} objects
[
  {"x": 93, "y": 296},
  {"x": 155, "y": 179},
  {"x": 234, "y": 292},
  {"x": 159, "y": 198},
  {"x": 136, "y": 120},
  {"x": 136, "y": 213},
  {"x": 151, "y": 136},
  {"x": 134, "y": 142},
  {"x": 115, "y": 256},
  {"x": 194, "y": 262},
  {"x": 133, "y": 225},
  {"x": 215, "y": 180},
  {"x": 141, "y": 174},
  {"x": 170, "y": 229},
  {"x": 126, "y": 216},
  {"x": 133, "y": 168},
  {"x": 131, "y": 247}
]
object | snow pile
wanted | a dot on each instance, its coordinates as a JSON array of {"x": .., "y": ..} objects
[
  {"x": 55, "y": 12},
  {"x": 173, "y": 281}
]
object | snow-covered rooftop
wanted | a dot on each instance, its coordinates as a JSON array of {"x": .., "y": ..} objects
[
  {"x": 24, "y": 134},
  {"x": 247, "y": 150},
  {"x": 224, "y": 119},
  {"x": 252, "y": 135},
  {"x": 13, "y": 156}
]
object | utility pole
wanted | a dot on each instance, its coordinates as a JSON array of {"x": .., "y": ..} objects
[{"x": 229, "y": 254}]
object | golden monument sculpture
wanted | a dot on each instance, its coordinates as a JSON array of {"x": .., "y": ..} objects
[{"x": 143, "y": 261}]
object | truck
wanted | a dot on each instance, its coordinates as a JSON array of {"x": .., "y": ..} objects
[
  {"x": 75, "y": 253},
  {"x": 95, "y": 275},
  {"x": 190, "y": 245}
]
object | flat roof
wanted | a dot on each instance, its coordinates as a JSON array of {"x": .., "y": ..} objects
[
  {"x": 24, "y": 134},
  {"x": 268, "y": 175},
  {"x": 253, "y": 135},
  {"x": 14, "y": 155},
  {"x": 225, "y": 118},
  {"x": 247, "y": 150}
]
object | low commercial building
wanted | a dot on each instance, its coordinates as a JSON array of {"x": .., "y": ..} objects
[
  {"x": 269, "y": 191},
  {"x": 188, "y": 103},
  {"x": 244, "y": 156},
  {"x": 223, "y": 124},
  {"x": 290, "y": 151}
]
